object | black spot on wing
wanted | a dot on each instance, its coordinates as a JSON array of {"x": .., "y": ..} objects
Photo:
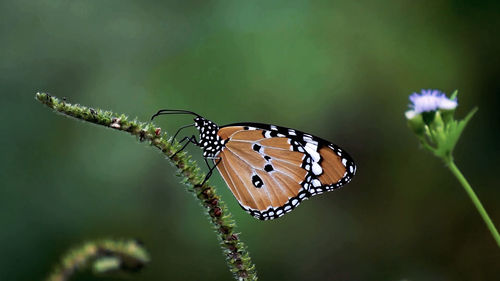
[
  {"x": 256, "y": 147},
  {"x": 257, "y": 181},
  {"x": 268, "y": 168}
]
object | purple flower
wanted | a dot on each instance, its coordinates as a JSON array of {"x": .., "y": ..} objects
[{"x": 429, "y": 100}]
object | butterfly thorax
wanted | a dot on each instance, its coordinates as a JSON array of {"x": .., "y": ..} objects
[{"x": 210, "y": 142}]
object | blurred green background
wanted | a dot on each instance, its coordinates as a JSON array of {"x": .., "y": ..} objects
[{"x": 341, "y": 70}]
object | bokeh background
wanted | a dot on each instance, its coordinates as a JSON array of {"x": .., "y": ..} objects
[{"x": 341, "y": 70}]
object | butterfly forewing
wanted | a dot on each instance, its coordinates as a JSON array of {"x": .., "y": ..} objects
[
  {"x": 271, "y": 169},
  {"x": 332, "y": 166}
]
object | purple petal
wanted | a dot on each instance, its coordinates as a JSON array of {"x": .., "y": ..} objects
[{"x": 431, "y": 100}]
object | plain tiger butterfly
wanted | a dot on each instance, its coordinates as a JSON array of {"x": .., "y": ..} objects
[{"x": 269, "y": 169}]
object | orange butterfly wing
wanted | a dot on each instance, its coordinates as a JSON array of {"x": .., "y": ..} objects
[{"x": 271, "y": 169}]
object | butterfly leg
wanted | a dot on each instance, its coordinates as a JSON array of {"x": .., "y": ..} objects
[
  {"x": 191, "y": 139},
  {"x": 178, "y": 131},
  {"x": 210, "y": 170}
]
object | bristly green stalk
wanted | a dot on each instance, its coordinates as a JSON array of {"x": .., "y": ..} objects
[
  {"x": 431, "y": 119},
  {"x": 104, "y": 256},
  {"x": 237, "y": 256}
]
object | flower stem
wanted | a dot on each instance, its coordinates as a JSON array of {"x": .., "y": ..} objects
[{"x": 475, "y": 200}]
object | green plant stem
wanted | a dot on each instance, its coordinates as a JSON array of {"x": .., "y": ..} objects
[
  {"x": 237, "y": 257},
  {"x": 475, "y": 200}
]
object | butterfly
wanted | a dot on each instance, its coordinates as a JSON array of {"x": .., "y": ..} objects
[{"x": 269, "y": 169}]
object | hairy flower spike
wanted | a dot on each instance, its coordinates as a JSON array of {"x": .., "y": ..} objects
[
  {"x": 104, "y": 256},
  {"x": 188, "y": 170}
]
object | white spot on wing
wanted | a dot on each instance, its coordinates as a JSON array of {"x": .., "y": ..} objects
[
  {"x": 316, "y": 183},
  {"x": 316, "y": 169},
  {"x": 312, "y": 150}
]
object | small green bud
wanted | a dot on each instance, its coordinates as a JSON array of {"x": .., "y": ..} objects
[{"x": 416, "y": 124}]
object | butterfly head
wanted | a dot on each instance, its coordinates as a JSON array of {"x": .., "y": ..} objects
[{"x": 210, "y": 142}]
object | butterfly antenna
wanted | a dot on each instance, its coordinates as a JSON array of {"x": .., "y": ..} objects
[{"x": 173, "y": 111}]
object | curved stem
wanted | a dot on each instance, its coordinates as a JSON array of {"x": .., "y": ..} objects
[
  {"x": 237, "y": 257},
  {"x": 475, "y": 200}
]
